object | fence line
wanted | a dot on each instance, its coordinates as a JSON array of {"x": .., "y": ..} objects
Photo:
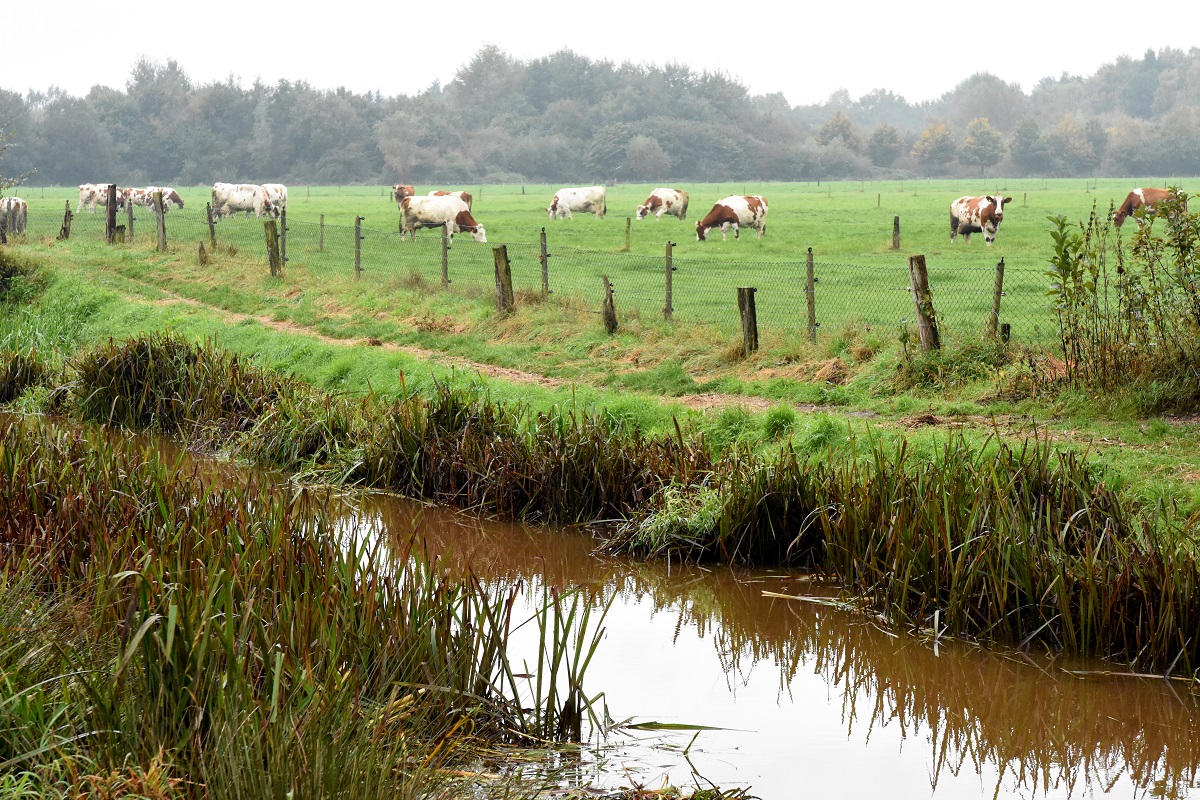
[{"x": 873, "y": 294}]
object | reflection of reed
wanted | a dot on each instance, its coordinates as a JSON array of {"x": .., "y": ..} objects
[{"x": 1039, "y": 728}]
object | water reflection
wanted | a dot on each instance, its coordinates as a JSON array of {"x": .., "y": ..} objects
[{"x": 815, "y": 701}]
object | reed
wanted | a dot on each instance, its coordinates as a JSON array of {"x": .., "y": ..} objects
[{"x": 234, "y": 628}]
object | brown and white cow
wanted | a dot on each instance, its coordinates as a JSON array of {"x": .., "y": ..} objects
[
  {"x": 435, "y": 211},
  {"x": 664, "y": 201},
  {"x": 278, "y": 193},
  {"x": 584, "y": 199},
  {"x": 230, "y": 198},
  {"x": 401, "y": 191},
  {"x": 14, "y": 215},
  {"x": 94, "y": 194},
  {"x": 145, "y": 197},
  {"x": 1142, "y": 198},
  {"x": 461, "y": 195},
  {"x": 977, "y": 215},
  {"x": 735, "y": 211}
]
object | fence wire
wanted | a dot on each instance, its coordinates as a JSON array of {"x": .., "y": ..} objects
[{"x": 873, "y": 293}]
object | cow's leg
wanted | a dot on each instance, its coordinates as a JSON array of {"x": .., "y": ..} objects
[
  {"x": 737, "y": 233},
  {"x": 953, "y": 229}
]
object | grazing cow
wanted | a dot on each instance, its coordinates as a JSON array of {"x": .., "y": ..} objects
[
  {"x": 1142, "y": 198},
  {"x": 93, "y": 194},
  {"x": 278, "y": 193},
  {"x": 436, "y": 211},
  {"x": 737, "y": 211},
  {"x": 400, "y": 191},
  {"x": 14, "y": 214},
  {"x": 230, "y": 198},
  {"x": 145, "y": 197},
  {"x": 584, "y": 199},
  {"x": 977, "y": 215},
  {"x": 461, "y": 195},
  {"x": 664, "y": 201}
]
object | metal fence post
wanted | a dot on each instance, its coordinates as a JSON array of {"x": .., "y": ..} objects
[
  {"x": 358, "y": 246},
  {"x": 669, "y": 308},
  {"x": 810, "y": 295},
  {"x": 544, "y": 259}
]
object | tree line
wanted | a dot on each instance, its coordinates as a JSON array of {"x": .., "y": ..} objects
[{"x": 565, "y": 117}]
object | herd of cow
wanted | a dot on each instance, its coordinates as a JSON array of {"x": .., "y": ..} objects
[{"x": 452, "y": 209}]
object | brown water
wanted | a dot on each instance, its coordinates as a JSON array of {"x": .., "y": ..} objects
[{"x": 812, "y": 701}]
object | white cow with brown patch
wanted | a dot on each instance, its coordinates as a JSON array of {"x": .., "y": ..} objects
[
  {"x": 664, "y": 201},
  {"x": 436, "y": 211},
  {"x": 278, "y": 193},
  {"x": 230, "y": 198},
  {"x": 736, "y": 211},
  {"x": 584, "y": 199},
  {"x": 461, "y": 195},
  {"x": 14, "y": 215},
  {"x": 96, "y": 194},
  {"x": 977, "y": 215}
]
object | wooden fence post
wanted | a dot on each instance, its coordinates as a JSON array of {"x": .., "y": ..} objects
[
  {"x": 445, "y": 257},
  {"x": 669, "y": 308},
  {"x": 64, "y": 233},
  {"x": 129, "y": 221},
  {"x": 110, "y": 213},
  {"x": 544, "y": 258},
  {"x": 628, "y": 222},
  {"x": 745, "y": 296},
  {"x": 212, "y": 229},
  {"x": 202, "y": 256},
  {"x": 998, "y": 292},
  {"x": 504, "y": 290},
  {"x": 923, "y": 300},
  {"x": 273, "y": 260},
  {"x": 896, "y": 233},
  {"x": 810, "y": 295},
  {"x": 609, "y": 310},
  {"x": 321, "y": 235},
  {"x": 358, "y": 246},
  {"x": 283, "y": 236},
  {"x": 161, "y": 215}
]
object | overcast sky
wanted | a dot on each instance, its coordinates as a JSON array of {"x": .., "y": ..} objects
[{"x": 807, "y": 50}]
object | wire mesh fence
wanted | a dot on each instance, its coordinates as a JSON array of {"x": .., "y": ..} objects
[{"x": 874, "y": 293}]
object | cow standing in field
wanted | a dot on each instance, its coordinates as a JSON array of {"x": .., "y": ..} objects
[
  {"x": 435, "y": 211},
  {"x": 14, "y": 215},
  {"x": 461, "y": 195},
  {"x": 401, "y": 191},
  {"x": 94, "y": 194},
  {"x": 664, "y": 201},
  {"x": 278, "y": 193},
  {"x": 584, "y": 199},
  {"x": 736, "y": 211},
  {"x": 1142, "y": 198},
  {"x": 230, "y": 198},
  {"x": 977, "y": 215},
  {"x": 145, "y": 197}
]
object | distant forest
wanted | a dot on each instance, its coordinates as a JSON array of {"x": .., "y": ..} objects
[{"x": 572, "y": 119}]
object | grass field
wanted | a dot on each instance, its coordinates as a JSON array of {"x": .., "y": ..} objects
[{"x": 861, "y": 280}]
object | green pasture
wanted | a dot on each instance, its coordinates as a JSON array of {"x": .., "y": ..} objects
[{"x": 861, "y": 280}]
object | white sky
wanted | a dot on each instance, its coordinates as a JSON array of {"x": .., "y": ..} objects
[{"x": 806, "y": 49}]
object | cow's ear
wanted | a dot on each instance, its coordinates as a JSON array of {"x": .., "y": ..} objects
[
  {"x": 1007, "y": 200},
  {"x": 990, "y": 199}
]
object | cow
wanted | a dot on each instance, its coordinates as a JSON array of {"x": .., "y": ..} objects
[
  {"x": 435, "y": 211},
  {"x": 736, "y": 211},
  {"x": 977, "y": 215},
  {"x": 145, "y": 197},
  {"x": 664, "y": 201},
  {"x": 461, "y": 195},
  {"x": 400, "y": 191},
  {"x": 93, "y": 194},
  {"x": 583, "y": 199},
  {"x": 230, "y": 198},
  {"x": 278, "y": 193},
  {"x": 14, "y": 215},
  {"x": 1142, "y": 198}
]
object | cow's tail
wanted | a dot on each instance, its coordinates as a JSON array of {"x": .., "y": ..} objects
[
  {"x": 683, "y": 210},
  {"x": 604, "y": 206}
]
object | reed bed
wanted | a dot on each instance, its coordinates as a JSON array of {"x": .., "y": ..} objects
[
  {"x": 1016, "y": 545},
  {"x": 231, "y": 641}
]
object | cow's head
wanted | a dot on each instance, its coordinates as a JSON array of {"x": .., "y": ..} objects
[
  {"x": 701, "y": 232},
  {"x": 271, "y": 208},
  {"x": 643, "y": 210},
  {"x": 478, "y": 234},
  {"x": 553, "y": 209},
  {"x": 993, "y": 224}
]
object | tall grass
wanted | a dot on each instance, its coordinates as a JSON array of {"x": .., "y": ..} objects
[{"x": 235, "y": 632}]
